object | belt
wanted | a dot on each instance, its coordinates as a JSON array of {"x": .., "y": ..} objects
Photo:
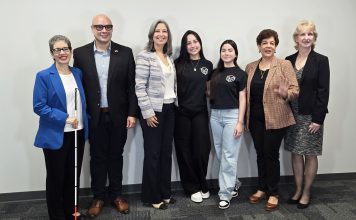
[{"x": 104, "y": 110}]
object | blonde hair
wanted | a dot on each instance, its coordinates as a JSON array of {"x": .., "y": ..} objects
[{"x": 305, "y": 24}]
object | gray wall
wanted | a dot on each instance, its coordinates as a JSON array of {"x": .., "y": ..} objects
[{"x": 26, "y": 27}]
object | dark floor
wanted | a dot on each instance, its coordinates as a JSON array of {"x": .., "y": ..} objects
[{"x": 330, "y": 200}]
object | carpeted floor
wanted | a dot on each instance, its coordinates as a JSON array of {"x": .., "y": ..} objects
[{"x": 330, "y": 200}]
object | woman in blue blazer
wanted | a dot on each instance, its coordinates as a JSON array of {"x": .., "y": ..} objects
[
  {"x": 56, "y": 90},
  {"x": 305, "y": 138}
]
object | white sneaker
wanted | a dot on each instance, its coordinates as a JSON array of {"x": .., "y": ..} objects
[
  {"x": 235, "y": 192},
  {"x": 196, "y": 197},
  {"x": 224, "y": 204},
  {"x": 205, "y": 195}
]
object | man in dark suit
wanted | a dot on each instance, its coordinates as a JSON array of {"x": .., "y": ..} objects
[{"x": 109, "y": 84}]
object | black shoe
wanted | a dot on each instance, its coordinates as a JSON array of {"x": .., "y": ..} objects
[
  {"x": 169, "y": 201},
  {"x": 161, "y": 206},
  {"x": 303, "y": 206},
  {"x": 293, "y": 201},
  {"x": 235, "y": 191}
]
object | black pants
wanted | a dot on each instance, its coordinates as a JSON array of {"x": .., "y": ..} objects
[
  {"x": 60, "y": 176},
  {"x": 157, "y": 164},
  {"x": 192, "y": 144},
  {"x": 106, "y": 148},
  {"x": 267, "y": 144}
]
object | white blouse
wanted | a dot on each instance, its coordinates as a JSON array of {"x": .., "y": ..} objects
[
  {"x": 169, "y": 75},
  {"x": 70, "y": 85}
]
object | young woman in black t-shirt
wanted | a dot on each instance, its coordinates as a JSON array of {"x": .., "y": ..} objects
[
  {"x": 228, "y": 105},
  {"x": 191, "y": 136}
]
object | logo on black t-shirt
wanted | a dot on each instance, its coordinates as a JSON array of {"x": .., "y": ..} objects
[
  {"x": 204, "y": 70},
  {"x": 230, "y": 78}
]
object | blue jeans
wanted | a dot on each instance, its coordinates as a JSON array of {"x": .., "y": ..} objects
[{"x": 227, "y": 147}]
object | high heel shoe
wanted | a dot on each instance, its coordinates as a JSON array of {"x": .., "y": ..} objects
[
  {"x": 302, "y": 205},
  {"x": 255, "y": 198},
  {"x": 160, "y": 205},
  {"x": 169, "y": 201},
  {"x": 292, "y": 201}
]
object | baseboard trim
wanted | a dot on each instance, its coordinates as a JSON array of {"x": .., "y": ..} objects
[{"x": 176, "y": 186}]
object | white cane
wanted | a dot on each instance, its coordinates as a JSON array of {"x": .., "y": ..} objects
[{"x": 75, "y": 159}]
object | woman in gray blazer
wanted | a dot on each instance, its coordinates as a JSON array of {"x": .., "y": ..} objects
[{"x": 156, "y": 93}]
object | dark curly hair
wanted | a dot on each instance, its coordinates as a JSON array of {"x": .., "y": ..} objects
[{"x": 267, "y": 33}]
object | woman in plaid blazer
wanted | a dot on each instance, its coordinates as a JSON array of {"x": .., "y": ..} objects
[{"x": 271, "y": 84}]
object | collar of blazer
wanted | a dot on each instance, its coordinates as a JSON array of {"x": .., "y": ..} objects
[
  {"x": 114, "y": 60},
  {"x": 272, "y": 69},
  {"x": 153, "y": 55},
  {"x": 58, "y": 85},
  {"x": 308, "y": 66},
  {"x": 114, "y": 48},
  {"x": 114, "y": 55}
]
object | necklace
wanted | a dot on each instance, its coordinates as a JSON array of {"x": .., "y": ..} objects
[
  {"x": 263, "y": 72},
  {"x": 195, "y": 67},
  {"x": 266, "y": 65}
]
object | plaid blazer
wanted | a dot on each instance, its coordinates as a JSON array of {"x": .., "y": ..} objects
[{"x": 278, "y": 113}]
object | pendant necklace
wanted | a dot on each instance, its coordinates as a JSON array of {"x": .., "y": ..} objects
[
  {"x": 262, "y": 73},
  {"x": 195, "y": 67}
]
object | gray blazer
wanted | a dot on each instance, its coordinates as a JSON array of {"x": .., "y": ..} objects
[{"x": 150, "y": 83}]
